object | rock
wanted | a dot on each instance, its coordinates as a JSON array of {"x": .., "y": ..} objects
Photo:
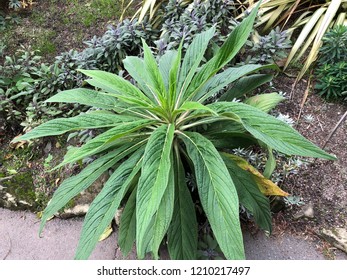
[
  {"x": 76, "y": 211},
  {"x": 17, "y": 192},
  {"x": 118, "y": 216},
  {"x": 80, "y": 204},
  {"x": 306, "y": 212},
  {"x": 337, "y": 237}
]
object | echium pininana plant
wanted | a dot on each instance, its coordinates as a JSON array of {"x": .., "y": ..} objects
[{"x": 158, "y": 131}]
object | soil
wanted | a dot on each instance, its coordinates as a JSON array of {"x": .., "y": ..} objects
[{"x": 322, "y": 183}]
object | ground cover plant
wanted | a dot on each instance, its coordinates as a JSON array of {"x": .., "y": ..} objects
[{"x": 157, "y": 132}]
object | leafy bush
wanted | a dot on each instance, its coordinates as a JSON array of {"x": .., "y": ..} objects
[
  {"x": 332, "y": 64},
  {"x": 334, "y": 46},
  {"x": 269, "y": 48},
  {"x": 106, "y": 53},
  {"x": 154, "y": 134},
  {"x": 25, "y": 82},
  {"x": 184, "y": 23}
]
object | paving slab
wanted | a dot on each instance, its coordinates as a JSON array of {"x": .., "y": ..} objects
[{"x": 19, "y": 240}]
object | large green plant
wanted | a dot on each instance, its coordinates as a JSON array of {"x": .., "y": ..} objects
[{"x": 156, "y": 133}]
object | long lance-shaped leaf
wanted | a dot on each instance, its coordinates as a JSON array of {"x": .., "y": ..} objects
[
  {"x": 117, "y": 85},
  {"x": 97, "y": 144},
  {"x": 270, "y": 165},
  {"x": 148, "y": 5},
  {"x": 191, "y": 61},
  {"x": 308, "y": 41},
  {"x": 84, "y": 121},
  {"x": 127, "y": 227},
  {"x": 245, "y": 85},
  {"x": 249, "y": 194},
  {"x": 136, "y": 68},
  {"x": 76, "y": 184},
  {"x": 160, "y": 222},
  {"x": 86, "y": 97},
  {"x": 193, "y": 106},
  {"x": 266, "y": 186},
  {"x": 217, "y": 194},
  {"x": 155, "y": 176},
  {"x": 165, "y": 64},
  {"x": 228, "y": 76},
  {"x": 328, "y": 18},
  {"x": 274, "y": 15},
  {"x": 183, "y": 231},
  {"x": 265, "y": 102},
  {"x": 163, "y": 216},
  {"x": 229, "y": 49},
  {"x": 303, "y": 35},
  {"x": 273, "y": 132},
  {"x": 156, "y": 82},
  {"x": 104, "y": 206},
  {"x": 173, "y": 80}
]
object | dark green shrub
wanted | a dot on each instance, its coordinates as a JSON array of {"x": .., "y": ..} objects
[
  {"x": 25, "y": 82},
  {"x": 331, "y": 73}
]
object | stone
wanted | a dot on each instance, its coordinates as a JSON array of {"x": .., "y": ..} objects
[
  {"x": 76, "y": 211},
  {"x": 337, "y": 237},
  {"x": 307, "y": 211}
]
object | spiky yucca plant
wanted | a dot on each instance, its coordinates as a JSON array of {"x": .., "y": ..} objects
[{"x": 158, "y": 131}]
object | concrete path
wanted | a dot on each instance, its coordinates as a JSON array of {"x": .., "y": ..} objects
[{"x": 19, "y": 240}]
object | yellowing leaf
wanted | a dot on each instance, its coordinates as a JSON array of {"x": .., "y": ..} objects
[
  {"x": 106, "y": 233},
  {"x": 8, "y": 156},
  {"x": 266, "y": 186},
  {"x": 24, "y": 4}
]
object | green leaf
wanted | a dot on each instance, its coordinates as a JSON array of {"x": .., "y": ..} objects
[
  {"x": 183, "y": 230},
  {"x": 270, "y": 164},
  {"x": 193, "y": 106},
  {"x": 217, "y": 194},
  {"x": 86, "y": 97},
  {"x": 127, "y": 227},
  {"x": 102, "y": 141},
  {"x": 163, "y": 217},
  {"x": 265, "y": 102},
  {"x": 104, "y": 206},
  {"x": 273, "y": 132},
  {"x": 245, "y": 85},
  {"x": 155, "y": 82},
  {"x": 84, "y": 121},
  {"x": 249, "y": 194},
  {"x": 117, "y": 85},
  {"x": 174, "y": 71},
  {"x": 225, "y": 54},
  {"x": 191, "y": 61},
  {"x": 219, "y": 81},
  {"x": 76, "y": 184},
  {"x": 155, "y": 177},
  {"x": 165, "y": 64},
  {"x": 136, "y": 68}
]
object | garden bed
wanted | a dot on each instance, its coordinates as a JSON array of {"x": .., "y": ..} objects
[{"x": 57, "y": 26}]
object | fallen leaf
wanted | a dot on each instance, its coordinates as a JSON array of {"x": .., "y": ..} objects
[
  {"x": 8, "y": 156},
  {"x": 106, "y": 233}
]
